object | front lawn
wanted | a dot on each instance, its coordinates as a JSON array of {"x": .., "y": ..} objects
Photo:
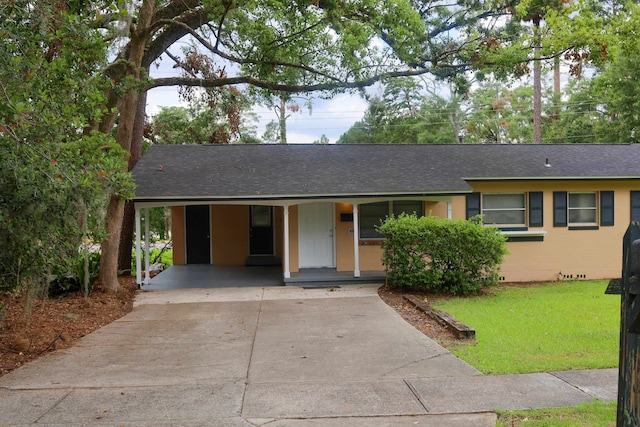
[{"x": 550, "y": 327}]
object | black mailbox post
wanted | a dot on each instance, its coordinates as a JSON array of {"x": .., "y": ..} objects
[{"x": 629, "y": 368}]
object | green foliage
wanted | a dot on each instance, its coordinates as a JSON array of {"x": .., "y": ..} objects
[
  {"x": 552, "y": 327},
  {"x": 72, "y": 280},
  {"x": 440, "y": 255},
  {"x": 500, "y": 114},
  {"x": 204, "y": 123},
  {"x": 406, "y": 115},
  {"x": 56, "y": 171}
]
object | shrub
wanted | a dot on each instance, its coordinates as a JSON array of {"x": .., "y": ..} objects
[
  {"x": 457, "y": 257},
  {"x": 72, "y": 280}
]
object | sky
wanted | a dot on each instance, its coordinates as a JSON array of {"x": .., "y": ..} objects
[{"x": 331, "y": 117}]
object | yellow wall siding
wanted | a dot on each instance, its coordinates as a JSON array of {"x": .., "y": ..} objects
[
  {"x": 177, "y": 235},
  {"x": 590, "y": 254},
  {"x": 438, "y": 209},
  {"x": 344, "y": 238},
  {"x": 230, "y": 234},
  {"x": 294, "y": 262}
]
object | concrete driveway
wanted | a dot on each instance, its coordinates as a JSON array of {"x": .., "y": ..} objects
[{"x": 260, "y": 356}]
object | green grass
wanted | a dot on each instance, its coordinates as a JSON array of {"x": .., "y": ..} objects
[
  {"x": 166, "y": 258},
  {"x": 601, "y": 414},
  {"x": 556, "y": 326}
]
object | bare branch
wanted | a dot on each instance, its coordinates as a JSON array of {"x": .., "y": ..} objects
[{"x": 187, "y": 81}]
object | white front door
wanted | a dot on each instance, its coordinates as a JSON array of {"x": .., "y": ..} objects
[{"x": 315, "y": 235}]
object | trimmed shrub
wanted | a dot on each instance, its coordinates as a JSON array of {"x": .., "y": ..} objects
[{"x": 457, "y": 257}]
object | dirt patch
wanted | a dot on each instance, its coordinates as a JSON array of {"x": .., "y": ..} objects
[
  {"x": 56, "y": 322},
  {"x": 421, "y": 321},
  {"x": 59, "y": 322}
]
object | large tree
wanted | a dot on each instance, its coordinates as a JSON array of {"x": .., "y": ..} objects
[
  {"x": 299, "y": 46},
  {"x": 55, "y": 170}
]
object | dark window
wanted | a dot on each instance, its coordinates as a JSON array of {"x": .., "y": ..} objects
[
  {"x": 473, "y": 205},
  {"x": 371, "y": 215}
]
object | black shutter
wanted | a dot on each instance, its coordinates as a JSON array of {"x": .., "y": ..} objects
[
  {"x": 606, "y": 208},
  {"x": 559, "y": 208},
  {"x": 473, "y": 205},
  {"x": 635, "y": 206},
  {"x": 535, "y": 209}
]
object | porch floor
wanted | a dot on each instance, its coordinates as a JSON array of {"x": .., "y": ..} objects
[{"x": 213, "y": 276}]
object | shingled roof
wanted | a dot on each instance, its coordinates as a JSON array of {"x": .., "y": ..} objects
[{"x": 268, "y": 172}]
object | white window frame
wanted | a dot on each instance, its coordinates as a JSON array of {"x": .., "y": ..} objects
[
  {"x": 524, "y": 209},
  {"x": 582, "y": 208}
]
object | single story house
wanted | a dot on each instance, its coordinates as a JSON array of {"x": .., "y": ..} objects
[{"x": 564, "y": 207}]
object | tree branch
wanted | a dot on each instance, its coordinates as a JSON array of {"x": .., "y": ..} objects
[{"x": 187, "y": 81}]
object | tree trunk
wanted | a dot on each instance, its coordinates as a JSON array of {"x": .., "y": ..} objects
[
  {"x": 109, "y": 259},
  {"x": 537, "y": 84},
  {"x": 127, "y": 109},
  {"x": 126, "y": 236},
  {"x": 556, "y": 88}
]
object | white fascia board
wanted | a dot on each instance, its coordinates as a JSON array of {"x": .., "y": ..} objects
[{"x": 294, "y": 199}]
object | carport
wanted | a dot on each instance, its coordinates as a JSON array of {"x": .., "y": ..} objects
[{"x": 310, "y": 198}]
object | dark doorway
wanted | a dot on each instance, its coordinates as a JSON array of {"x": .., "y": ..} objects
[
  {"x": 198, "y": 234},
  {"x": 261, "y": 230}
]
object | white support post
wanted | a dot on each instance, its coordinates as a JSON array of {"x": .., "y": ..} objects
[
  {"x": 147, "y": 277},
  {"x": 449, "y": 210},
  {"x": 287, "y": 273},
  {"x": 356, "y": 242},
  {"x": 138, "y": 259}
]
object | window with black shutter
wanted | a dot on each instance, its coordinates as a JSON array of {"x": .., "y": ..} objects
[
  {"x": 536, "y": 218},
  {"x": 559, "y": 208},
  {"x": 635, "y": 206},
  {"x": 606, "y": 208}
]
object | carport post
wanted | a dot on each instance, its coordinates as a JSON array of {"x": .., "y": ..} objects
[
  {"x": 146, "y": 246},
  {"x": 287, "y": 273},
  {"x": 356, "y": 242},
  {"x": 138, "y": 260}
]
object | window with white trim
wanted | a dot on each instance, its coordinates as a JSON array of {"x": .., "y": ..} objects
[
  {"x": 504, "y": 209},
  {"x": 371, "y": 214},
  {"x": 582, "y": 208}
]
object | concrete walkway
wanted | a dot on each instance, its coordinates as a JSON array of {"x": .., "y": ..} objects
[{"x": 272, "y": 357}]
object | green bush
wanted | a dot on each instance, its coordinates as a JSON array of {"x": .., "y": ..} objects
[
  {"x": 72, "y": 280},
  {"x": 440, "y": 255}
]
